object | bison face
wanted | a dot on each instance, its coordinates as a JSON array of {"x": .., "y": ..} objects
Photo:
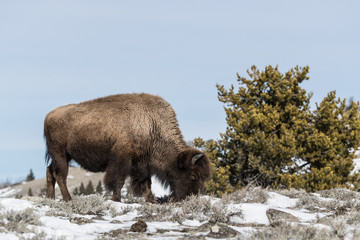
[{"x": 193, "y": 170}]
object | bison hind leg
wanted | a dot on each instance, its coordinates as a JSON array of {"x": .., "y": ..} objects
[
  {"x": 57, "y": 172},
  {"x": 50, "y": 182}
]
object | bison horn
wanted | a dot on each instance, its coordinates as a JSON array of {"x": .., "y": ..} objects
[{"x": 196, "y": 157}]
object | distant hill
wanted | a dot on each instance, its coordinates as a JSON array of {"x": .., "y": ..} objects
[{"x": 75, "y": 177}]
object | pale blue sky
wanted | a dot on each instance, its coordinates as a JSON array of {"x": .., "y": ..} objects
[{"x": 54, "y": 53}]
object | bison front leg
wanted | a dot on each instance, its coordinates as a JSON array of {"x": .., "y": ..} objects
[
  {"x": 115, "y": 175},
  {"x": 117, "y": 190},
  {"x": 142, "y": 187},
  {"x": 149, "y": 197}
]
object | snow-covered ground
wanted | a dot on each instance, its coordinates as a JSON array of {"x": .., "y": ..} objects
[
  {"x": 252, "y": 213},
  {"x": 248, "y": 214}
]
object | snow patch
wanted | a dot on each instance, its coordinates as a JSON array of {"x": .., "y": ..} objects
[
  {"x": 8, "y": 236},
  {"x": 356, "y": 166},
  {"x": 7, "y": 192},
  {"x": 194, "y": 223},
  {"x": 15, "y": 204},
  {"x": 152, "y": 227},
  {"x": 252, "y": 213},
  {"x": 278, "y": 200}
]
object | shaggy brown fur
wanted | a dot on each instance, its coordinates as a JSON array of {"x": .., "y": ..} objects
[{"x": 134, "y": 135}]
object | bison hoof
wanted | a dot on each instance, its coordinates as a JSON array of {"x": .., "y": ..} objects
[
  {"x": 67, "y": 199},
  {"x": 116, "y": 199}
]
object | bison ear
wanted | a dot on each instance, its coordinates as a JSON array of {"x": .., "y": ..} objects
[
  {"x": 187, "y": 159},
  {"x": 182, "y": 157}
]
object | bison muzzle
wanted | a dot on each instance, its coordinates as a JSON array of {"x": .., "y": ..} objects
[{"x": 125, "y": 135}]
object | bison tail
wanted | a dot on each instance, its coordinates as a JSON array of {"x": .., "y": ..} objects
[
  {"x": 47, "y": 157},
  {"x": 47, "y": 153}
]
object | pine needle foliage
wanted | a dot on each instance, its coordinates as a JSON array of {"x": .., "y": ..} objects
[
  {"x": 89, "y": 188},
  {"x": 30, "y": 176},
  {"x": 275, "y": 139}
]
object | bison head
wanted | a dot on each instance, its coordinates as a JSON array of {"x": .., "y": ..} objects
[{"x": 192, "y": 171}]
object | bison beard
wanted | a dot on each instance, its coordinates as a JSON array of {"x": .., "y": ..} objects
[{"x": 125, "y": 135}]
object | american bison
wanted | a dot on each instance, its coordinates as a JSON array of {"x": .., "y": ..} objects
[{"x": 125, "y": 135}]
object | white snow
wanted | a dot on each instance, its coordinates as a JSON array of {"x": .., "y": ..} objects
[
  {"x": 6, "y": 192},
  {"x": 15, "y": 204},
  {"x": 154, "y": 226},
  {"x": 356, "y": 162},
  {"x": 278, "y": 200},
  {"x": 356, "y": 166},
  {"x": 194, "y": 223},
  {"x": 253, "y": 213},
  {"x": 8, "y": 236}
]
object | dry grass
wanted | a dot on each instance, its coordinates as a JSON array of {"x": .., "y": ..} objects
[
  {"x": 340, "y": 194},
  {"x": 91, "y": 204},
  {"x": 192, "y": 208},
  {"x": 19, "y": 221},
  {"x": 336, "y": 202},
  {"x": 292, "y": 193},
  {"x": 249, "y": 194},
  {"x": 287, "y": 231},
  {"x": 115, "y": 212}
]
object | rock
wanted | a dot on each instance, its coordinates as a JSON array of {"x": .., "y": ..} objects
[
  {"x": 118, "y": 233},
  {"x": 276, "y": 217},
  {"x": 139, "y": 226},
  {"x": 215, "y": 229},
  {"x": 222, "y": 231},
  {"x": 80, "y": 220},
  {"x": 116, "y": 222},
  {"x": 98, "y": 217}
]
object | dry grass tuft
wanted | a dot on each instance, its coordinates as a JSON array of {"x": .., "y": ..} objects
[
  {"x": 339, "y": 194},
  {"x": 19, "y": 221},
  {"x": 287, "y": 231},
  {"x": 91, "y": 204},
  {"x": 249, "y": 194},
  {"x": 192, "y": 208}
]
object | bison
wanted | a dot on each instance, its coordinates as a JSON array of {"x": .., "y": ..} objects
[{"x": 125, "y": 135}]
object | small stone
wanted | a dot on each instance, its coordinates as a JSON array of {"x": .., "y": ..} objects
[
  {"x": 98, "y": 217},
  {"x": 139, "y": 226},
  {"x": 116, "y": 222},
  {"x": 221, "y": 232},
  {"x": 80, "y": 220},
  {"x": 117, "y": 233},
  {"x": 215, "y": 229},
  {"x": 276, "y": 217}
]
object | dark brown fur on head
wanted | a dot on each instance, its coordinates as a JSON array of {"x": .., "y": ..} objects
[
  {"x": 190, "y": 176},
  {"x": 125, "y": 135}
]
